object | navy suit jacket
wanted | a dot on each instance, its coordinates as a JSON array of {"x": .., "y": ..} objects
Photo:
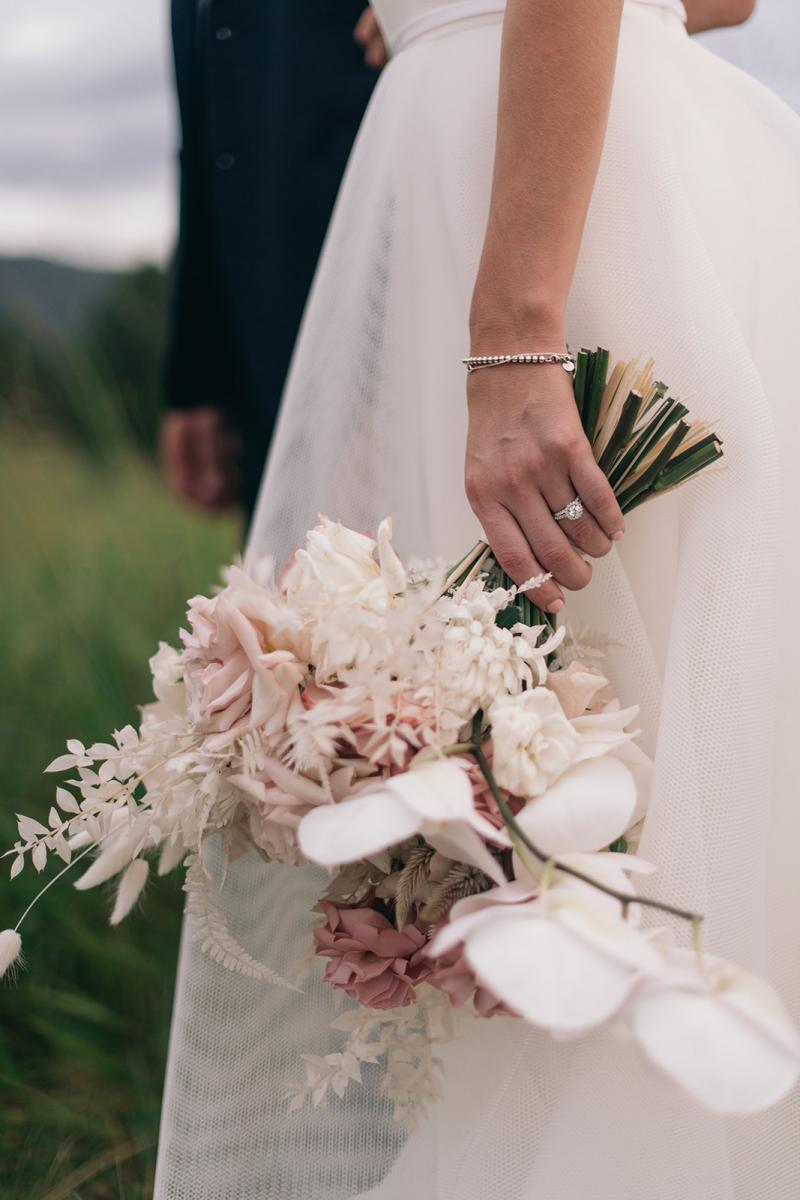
[{"x": 271, "y": 93}]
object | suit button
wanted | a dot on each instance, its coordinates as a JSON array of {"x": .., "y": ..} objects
[
  {"x": 224, "y": 33},
  {"x": 225, "y": 162}
]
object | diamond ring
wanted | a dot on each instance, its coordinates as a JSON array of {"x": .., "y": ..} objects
[{"x": 570, "y": 512}]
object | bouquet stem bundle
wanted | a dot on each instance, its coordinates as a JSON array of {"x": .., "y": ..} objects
[{"x": 643, "y": 439}]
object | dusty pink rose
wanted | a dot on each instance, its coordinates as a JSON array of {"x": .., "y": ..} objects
[
  {"x": 240, "y": 667},
  {"x": 453, "y": 975},
  {"x": 374, "y": 963}
]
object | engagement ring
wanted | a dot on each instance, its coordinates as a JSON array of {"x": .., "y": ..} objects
[{"x": 570, "y": 512}]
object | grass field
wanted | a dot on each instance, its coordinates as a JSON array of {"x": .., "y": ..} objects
[{"x": 97, "y": 563}]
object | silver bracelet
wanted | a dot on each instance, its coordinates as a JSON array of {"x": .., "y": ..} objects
[{"x": 478, "y": 362}]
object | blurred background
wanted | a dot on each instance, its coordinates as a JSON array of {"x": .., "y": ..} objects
[{"x": 98, "y": 560}]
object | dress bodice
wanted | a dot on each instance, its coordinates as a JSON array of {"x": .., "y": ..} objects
[{"x": 403, "y": 20}]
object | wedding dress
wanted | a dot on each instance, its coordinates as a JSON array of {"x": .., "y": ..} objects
[{"x": 691, "y": 254}]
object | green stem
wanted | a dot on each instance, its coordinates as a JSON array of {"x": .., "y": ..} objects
[
  {"x": 517, "y": 832},
  {"x": 459, "y": 748}
]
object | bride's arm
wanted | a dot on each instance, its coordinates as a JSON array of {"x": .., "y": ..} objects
[
  {"x": 527, "y": 455},
  {"x": 713, "y": 14}
]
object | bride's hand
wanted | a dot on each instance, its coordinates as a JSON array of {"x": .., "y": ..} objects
[{"x": 527, "y": 457}]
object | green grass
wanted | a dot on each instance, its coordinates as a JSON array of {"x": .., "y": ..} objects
[{"x": 97, "y": 563}]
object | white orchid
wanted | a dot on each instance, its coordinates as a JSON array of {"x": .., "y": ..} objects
[
  {"x": 587, "y": 809},
  {"x": 721, "y": 1033},
  {"x": 606, "y": 731},
  {"x": 560, "y": 959},
  {"x": 434, "y": 799}
]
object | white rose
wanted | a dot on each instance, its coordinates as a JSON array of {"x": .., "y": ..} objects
[
  {"x": 341, "y": 564},
  {"x": 533, "y": 742}
]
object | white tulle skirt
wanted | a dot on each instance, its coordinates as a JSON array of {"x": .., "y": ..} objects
[{"x": 691, "y": 254}]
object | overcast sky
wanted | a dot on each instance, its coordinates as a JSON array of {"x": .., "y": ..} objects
[{"x": 87, "y": 128}]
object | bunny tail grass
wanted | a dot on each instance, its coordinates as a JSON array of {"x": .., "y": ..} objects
[{"x": 10, "y": 950}]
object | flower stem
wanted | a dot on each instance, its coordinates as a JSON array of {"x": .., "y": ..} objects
[
  {"x": 55, "y": 879},
  {"x": 458, "y": 748},
  {"x": 518, "y": 833}
]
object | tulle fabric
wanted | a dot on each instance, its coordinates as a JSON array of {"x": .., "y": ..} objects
[{"x": 691, "y": 254}]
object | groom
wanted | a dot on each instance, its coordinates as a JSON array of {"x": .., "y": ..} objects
[{"x": 271, "y": 93}]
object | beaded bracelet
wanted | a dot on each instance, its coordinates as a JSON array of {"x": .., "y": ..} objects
[{"x": 478, "y": 362}]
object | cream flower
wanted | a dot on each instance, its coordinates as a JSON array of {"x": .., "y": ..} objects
[
  {"x": 533, "y": 741},
  {"x": 474, "y": 659},
  {"x": 340, "y": 564},
  {"x": 345, "y": 595}
]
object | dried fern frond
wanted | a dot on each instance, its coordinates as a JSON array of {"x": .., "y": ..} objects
[
  {"x": 460, "y": 881},
  {"x": 412, "y": 877},
  {"x": 211, "y": 932}
]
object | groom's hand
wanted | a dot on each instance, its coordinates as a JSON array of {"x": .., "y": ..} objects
[
  {"x": 199, "y": 452},
  {"x": 369, "y": 37}
]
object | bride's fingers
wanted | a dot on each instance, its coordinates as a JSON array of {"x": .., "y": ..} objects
[
  {"x": 584, "y": 532},
  {"x": 514, "y": 555},
  {"x": 597, "y": 495},
  {"x": 549, "y": 544}
]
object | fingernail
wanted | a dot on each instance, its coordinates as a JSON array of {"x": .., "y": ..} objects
[
  {"x": 617, "y": 537},
  {"x": 556, "y": 606}
]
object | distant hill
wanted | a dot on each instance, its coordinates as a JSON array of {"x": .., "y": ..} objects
[{"x": 50, "y": 298}]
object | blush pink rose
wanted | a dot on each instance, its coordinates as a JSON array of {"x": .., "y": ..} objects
[
  {"x": 453, "y": 975},
  {"x": 374, "y": 963},
  {"x": 576, "y": 688},
  {"x": 239, "y": 665},
  {"x": 278, "y": 798}
]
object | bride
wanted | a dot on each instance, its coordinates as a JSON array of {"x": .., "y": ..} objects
[{"x": 564, "y": 170}]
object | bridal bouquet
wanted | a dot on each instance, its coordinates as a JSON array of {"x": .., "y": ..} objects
[{"x": 469, "y": 781}]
